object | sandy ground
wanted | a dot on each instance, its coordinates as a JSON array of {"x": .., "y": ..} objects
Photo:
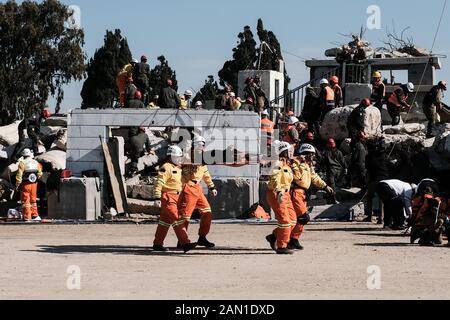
[{"x": 116, "y": 263}]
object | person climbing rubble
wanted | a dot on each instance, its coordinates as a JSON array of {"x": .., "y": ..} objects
[
  {"x": 398, "y": 102},
  {"x": 432, "y": 104}
]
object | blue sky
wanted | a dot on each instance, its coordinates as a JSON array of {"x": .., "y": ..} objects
[{"x": 197, "y": 36}]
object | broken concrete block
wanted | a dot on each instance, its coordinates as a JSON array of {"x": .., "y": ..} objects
[
  {"x": 56, "y": 158},
  {"x": 147, "y": 161},
  {"x": 10, "y": 172},
  {"x": 9, "y": 134},
  {"x": 408, "y": 128},
  {"x": 404, "y": 141},
  {"x": 56, "y": 121},
  {"x": 143, "y": 207},
  {"x": 335, "y": 123},
  {"x": 144, "y": 192},
  {"x": 61, "y": 143}
]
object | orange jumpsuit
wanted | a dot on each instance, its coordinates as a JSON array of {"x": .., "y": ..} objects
[
  {"x": 280, "y": 182},
  {"x": 28, "y": 168},
  {"x": 121, "y": 81},
  {"x": 168, "y": 189},
  {"x": 304, "y": 177},
  {"x": 193, "y": 198}
]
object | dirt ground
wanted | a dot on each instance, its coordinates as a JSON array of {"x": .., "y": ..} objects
[{"x": 116, "y": 262}]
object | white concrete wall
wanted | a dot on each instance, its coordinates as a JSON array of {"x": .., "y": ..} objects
[{"x": 268, "y": 78}]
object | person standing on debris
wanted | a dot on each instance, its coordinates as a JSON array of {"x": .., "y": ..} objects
[
  {"x": 169, "y": 99},
  {"x": 32, "y": 125},
  {"x": 377, "y": 167},
  {"x": 338, "y": 94},
  {"x": 356, "y": 120},
  {"x": 139, "y": 144},
  {"x": 304, "y": 177},
  {"x": 357, "y": 167},
  {"x": 311, "y": 110},
  {"x": 398, "y": 102},
  {"x": 291, "y": 135},
  {"x": 396, "y": 196},
  {"x": 122, "y": 78},
  {"x": 30, "y": 171},
  {"x": 167, "y": 191},
  {"x": 142, "y": 76},
  {"x": 248, "y": 105},
  {"x": 267, "y": 129},
  {"x": 326, "y": 98},
  {"x": 279, "y": 198},
  {"x": 334, "y": 164},
  {"x": 130, "y": 91},
  {"x": 186, "y": 100},
  {"x": 136, "y": 102},
  {"x": 378, "y": 91},
  {"x": 192, "y": 197},
  {"x": 432, "y": 104}
]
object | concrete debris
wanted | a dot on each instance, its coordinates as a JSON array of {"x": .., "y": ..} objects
[
  {"x": 335, "y": 123},
  {"x": 56, "y": 121},
  {"x": 409, "y": 128},
  {"x": 143, "y": 192},
  {"x": 60, "y": 143},
  {"x": 136, "y": 206},
  {"x": 56, "y": 158},
  {"x": 8, "y": 134}
]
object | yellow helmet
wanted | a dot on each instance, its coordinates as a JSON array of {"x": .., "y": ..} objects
[{"x": 377, "y": 74}]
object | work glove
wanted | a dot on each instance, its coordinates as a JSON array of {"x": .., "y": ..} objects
[
  {"x": 330, "y": 191},
  {"x": 157, "y": 204},
  {"x": 214, "y": 193},
  {"x": 280, "y": 197}
]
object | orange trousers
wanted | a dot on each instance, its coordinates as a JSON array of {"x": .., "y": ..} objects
[
  {"x": 285, "y": 215},
  {"x": 170, "y": 218},
  {"x": 301, "y": 208},
  {"x": 121, "y": 82},
  {"x": 193, "y": 198},
  {"x": 28, "y": 197}
]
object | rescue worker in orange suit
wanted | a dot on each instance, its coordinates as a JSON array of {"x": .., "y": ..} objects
[
  {"x": 121, "y": 80},
  {"x": 279, "y": 198},
  {"x": 267, "y": 129},
  {"x": 326, "y": 98},
  {"x": 398, "y": 102},
  {"x": 378, "y": 91},
  {"x": 27, "y": 182},
  {"x": 338, "y": 94},
  {"x": 192, "y": 197},
  {"x": 168, "y": 189},
  {"x": 304, "y": 177},
  {"x": 291, "y": 134}
]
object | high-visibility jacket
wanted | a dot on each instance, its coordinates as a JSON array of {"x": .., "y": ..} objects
[
  {"x": 127, "y": 70},
  {"x": 27, "y": 167},
  {"x": 196, "y": 174},
  {"x": 305, "y": 176},
  {"x": 281, "y": 177},
  {"x": 378, "y": 91},
  {"x": 399, "y": 98},
  {"x": 184, "y": 103},
  {"x": 169, "y": 180},
  {"x": 267, "y": 129},
  {"x": 330, "y": 96}
]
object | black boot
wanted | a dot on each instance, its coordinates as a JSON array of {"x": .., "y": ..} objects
[
  {"x": 294, "y": 244},
  {"x": 273, "y": 241},
  {"x": 415, "y": 234},
  {"x": 284, "y": 251},
  {"x": 203, "y": 242},
  {"x": 160, "y": 249},
  {"x": 189, "y": 246}
]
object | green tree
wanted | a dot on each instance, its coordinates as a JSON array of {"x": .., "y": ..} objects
[
  {"x": 244, "y": 58},
  {"x": 159, "y": 76},
  {"x": 208, "y": 92},
  {"x": 100, "y": 89},
  {"x": 39, "y": 54}
]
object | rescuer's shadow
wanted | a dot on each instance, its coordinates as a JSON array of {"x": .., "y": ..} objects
[
  {"x": 386, "y": 245},
  {"x": 146, "y": 251},
  {"x": 383, "y": 235},
  {"x": 362, "y": 229}
]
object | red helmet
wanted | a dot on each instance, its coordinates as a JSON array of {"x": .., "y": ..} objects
[
  {"x": 332, "y": 143},
  {"x": 142, "y": 129},
  {"x": 169, "y": 83},
  {"x": 366, "y": 102},
  {"x": 138, "y": 95},
  {"x": 310, "y": 136},
  {"x": 334, "y": 79},
  {"x": 46, "y": 113},
  {"x": 250, "y": 100},
  {"x": 362, "y": 135}
]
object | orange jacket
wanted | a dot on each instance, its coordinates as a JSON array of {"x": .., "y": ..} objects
[{"x": 267, "y": 128}]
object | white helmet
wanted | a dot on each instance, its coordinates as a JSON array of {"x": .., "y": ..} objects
[
  {"x": 199, "y": 104},
  {"x": 293, "y": 120},
  {"x": 410, "y": 87},
  {"x": 265, "y": 113},
  {"x": 282, "y": 146},
  {"x": 175, "y": 151},
  {"x": 198, "y": 140},
  {"x": 188, "y": 93},
  {"x": 306, "y": 148},
  {"x": 324, "y": 81},
  {"x": 135, "y": 61},
  {"x": 232, "y": 94},
  {"x": 27, "y": 153}
]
